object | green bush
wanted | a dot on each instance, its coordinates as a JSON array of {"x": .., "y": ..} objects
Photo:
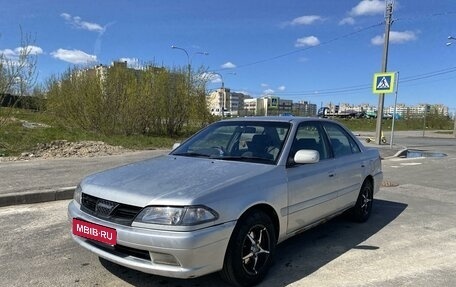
[{"x": 124, "y": 101}]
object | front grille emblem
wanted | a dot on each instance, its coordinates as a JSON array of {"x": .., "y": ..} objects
[{"x": 105, "y": 207}]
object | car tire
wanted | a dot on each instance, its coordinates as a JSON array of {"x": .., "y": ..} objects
[
  {"x": 250, "y": 251},
  {"x": 363, "y": 207}
]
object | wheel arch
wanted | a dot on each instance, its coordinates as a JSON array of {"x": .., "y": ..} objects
[
  {"x": 369, "y": 178},
  {"x": 269, "y": 211}
]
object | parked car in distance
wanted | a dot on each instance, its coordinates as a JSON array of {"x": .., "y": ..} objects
[{"x": 223, "y": 199}]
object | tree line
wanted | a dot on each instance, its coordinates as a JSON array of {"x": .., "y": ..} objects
[{"x": 120, "y": 100}]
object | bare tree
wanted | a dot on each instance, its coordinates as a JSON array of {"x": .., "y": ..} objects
[{"x": 17, "y": 72}]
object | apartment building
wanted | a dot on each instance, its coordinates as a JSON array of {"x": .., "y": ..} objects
[{"x": 222, "y": 102}]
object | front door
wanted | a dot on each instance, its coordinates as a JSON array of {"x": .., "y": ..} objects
[{"x": 312, "y": 188}]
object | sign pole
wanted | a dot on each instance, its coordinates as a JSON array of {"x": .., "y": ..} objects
[
  {"x": 381, "y": 98},
  {"x": 394, "y": 114}
]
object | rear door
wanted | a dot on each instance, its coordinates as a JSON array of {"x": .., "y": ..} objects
[{"x": 348, "y": 165}]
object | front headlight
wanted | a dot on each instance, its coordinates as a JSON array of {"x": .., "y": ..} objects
[
  {"x": 170, "y": 215},
  {"x": 77, "y": 194}
]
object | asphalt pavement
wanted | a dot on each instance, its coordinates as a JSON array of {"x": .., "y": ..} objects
[{"x": 41, "y": 180}]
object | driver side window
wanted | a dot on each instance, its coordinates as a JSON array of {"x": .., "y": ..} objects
[{"x": 309, "y": 136}]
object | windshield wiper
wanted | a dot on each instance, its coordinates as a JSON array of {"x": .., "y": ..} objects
[
  {"x": 244, "y": 158},
  {"x": 192, "y": 154}
]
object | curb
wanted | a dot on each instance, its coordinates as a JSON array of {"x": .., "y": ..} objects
[
  {"x": 399, "y": 153},
  {"x": 16, "y": 198}
]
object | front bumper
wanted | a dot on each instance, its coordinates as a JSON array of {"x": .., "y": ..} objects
[{"x": 170, "y": 253}]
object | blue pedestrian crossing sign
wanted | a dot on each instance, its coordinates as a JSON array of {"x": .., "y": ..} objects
[{"x": 383, "y": 83}]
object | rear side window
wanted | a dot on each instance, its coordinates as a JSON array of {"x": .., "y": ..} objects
[{"x": 341, "y": 142}]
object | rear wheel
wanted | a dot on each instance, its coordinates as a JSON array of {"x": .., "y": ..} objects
[
  {"x": 250, "y": 251},
  {"x": 363, "y": 207}
]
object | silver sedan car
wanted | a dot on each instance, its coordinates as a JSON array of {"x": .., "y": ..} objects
[{"x": 223, "y": 199}]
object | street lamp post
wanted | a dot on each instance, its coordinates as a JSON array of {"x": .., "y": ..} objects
[
  {"x": 451, "y": 39},
  {"x": 189, "y": 63},
  {"x": 189, "y": 57},
  {"x": 223, "y": 103},
  {"x": 449, "y": 43}
]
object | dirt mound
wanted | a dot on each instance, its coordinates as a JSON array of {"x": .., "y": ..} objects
[{"x": 66, "y": 149}]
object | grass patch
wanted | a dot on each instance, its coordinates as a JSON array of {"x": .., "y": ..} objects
[
  {"x": 15, "y": 138},
  {"x": 444, "y": 132}
]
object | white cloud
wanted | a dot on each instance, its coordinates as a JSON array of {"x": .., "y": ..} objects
[
  {"x": 347, "y": 21},
  {"x": 368, "y": 7},
  {"x": 281, "y": 88},
  {"x": 31, "y": 50},
  {"x": 74, "y": 56},
  {"x": 66, "y": 16},
  {"x": 228, "y": 65},
  {"x": 268, "y": 92},
  {"x": 307, "y": 42},
  {"x": 216, "y": 79},
  {"x": 212, "y": 77},
  {"x": 12, "y": 56},
  {"x": 305, "y": 20},
  {"x": 264, "y": 85},
  {"x": 77, "y": 22},
  {"x": 377, "y": 40},
  {"x": 395, "y": 38},
  {"x": 8, "y": 53}
]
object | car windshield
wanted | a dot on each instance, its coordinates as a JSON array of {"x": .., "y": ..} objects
[{"x": 260, "y": 142}]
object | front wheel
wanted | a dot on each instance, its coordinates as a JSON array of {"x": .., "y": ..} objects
[
  {"x": 363, "y": 207},
  {"x": 250, "y": 251}
]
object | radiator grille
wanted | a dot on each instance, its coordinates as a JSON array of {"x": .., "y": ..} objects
[{"x": 109, "y": 210}]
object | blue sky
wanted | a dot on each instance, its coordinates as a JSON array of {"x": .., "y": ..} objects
[{"x": 318, "y": 51}]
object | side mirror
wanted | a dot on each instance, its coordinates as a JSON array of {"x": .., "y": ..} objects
[
  {"x": 306, "y": 156},
  {"x": 176, "y": 145}
]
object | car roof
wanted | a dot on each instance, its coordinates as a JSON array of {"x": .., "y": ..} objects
[{"x": 288, "y": 119}]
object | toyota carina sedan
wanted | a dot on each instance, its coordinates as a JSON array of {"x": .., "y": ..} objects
[{"x": 223, "y": 199}]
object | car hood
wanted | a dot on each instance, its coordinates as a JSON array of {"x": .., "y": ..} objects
[{"x": 169, "y": 180}]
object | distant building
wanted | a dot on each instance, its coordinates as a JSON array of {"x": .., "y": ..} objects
[
  {"x": 102, "y": 70},
  {"x": 222, "y": 102},
  {"x": 250, "y": 107},
  {"x": 304, "y": 109},
  {"x": 241, "y": 97},
  {"x": 403, "y": 110}
]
